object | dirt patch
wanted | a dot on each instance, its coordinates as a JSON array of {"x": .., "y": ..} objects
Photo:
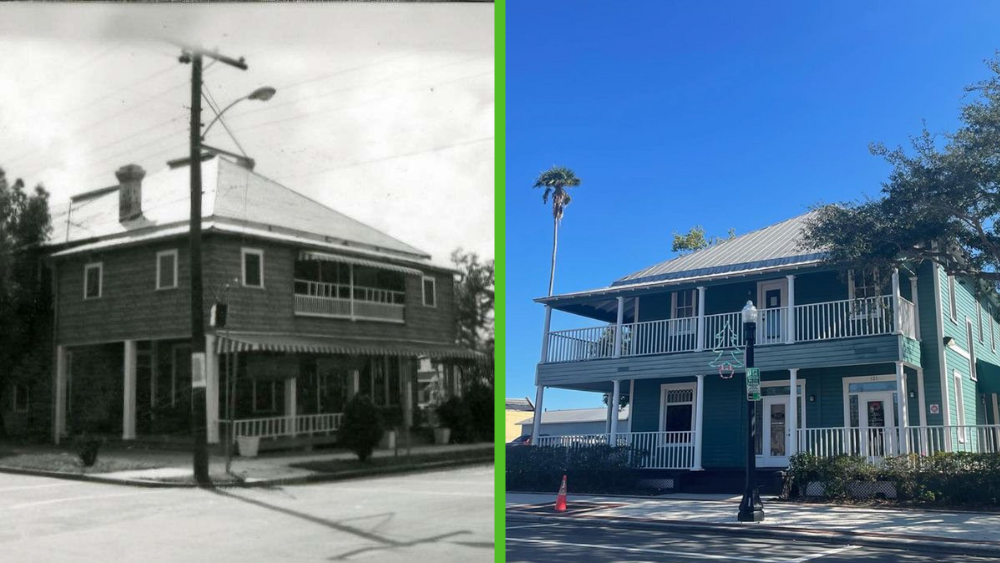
[{"x": 67, "y": 462}]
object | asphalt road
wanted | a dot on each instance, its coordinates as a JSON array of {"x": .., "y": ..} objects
[
  {"x": 569, "y": 542},
  {"x": 442, "y": 516}
]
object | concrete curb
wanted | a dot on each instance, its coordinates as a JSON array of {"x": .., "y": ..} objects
[
  {"x": 887, "y": 541},
  {"x": 263, "y": 483}
]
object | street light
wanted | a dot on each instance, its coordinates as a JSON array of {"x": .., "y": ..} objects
[
  {"x": 263, "y": 94},
  {"x": 751, "y": 508}
]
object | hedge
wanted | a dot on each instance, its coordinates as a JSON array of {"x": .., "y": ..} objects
[
  {"x": 588, "y": 469},
  {"x": 942, "y": 478}
]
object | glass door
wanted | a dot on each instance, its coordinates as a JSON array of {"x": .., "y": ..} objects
[
  {"x": 775, "y": 431},
  {"x": 877, "y": 424}
]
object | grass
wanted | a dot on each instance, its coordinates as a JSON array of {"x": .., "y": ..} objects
[
  {"x": 396, "y": 462},
  {"x": 69, "y": 462}
]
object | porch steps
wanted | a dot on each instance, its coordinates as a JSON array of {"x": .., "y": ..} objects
[{"x": 711, "y": 481}]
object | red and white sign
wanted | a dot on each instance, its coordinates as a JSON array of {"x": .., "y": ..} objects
[{"x": 935, "y": 409}]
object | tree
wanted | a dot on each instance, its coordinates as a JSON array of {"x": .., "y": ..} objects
[
  {"x": 941, "y": 201},
  {"x": 361, "y": 428},
  {"x": 24, "y": 299},
  {"x": 474, "y": 301},
  {"x": 695, "y": 240},
  {"x": 622, "y": 400},
  {"x": 556, "y": 182}
]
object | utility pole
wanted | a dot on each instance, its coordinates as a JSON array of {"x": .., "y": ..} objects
[{"x": 199, "y": 367}]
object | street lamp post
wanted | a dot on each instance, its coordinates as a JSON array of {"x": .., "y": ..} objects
[{"x": 751, "y": 508}]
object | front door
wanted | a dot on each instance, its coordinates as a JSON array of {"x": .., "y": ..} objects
[
  {"x": 771, "y": 296},
  {"x": 775, "y": 431},
  {"x": 878, "y": 434}
]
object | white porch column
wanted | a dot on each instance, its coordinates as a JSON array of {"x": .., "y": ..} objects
[
  {"x": 406, "y": 376},
  {"x": 211, "y": 390},
  {"x": 916, "y": 312},
  {"x": 793, "y": 408},
  {"x": 355, "y": 384},
  {"x": 59, "y": 419},
  {"x": 607, "y": 417},
  {"x": 897, "y": 326},
  {"x": 128, "y": 406},
  {"x": 545, "y": 335},
  {"x": 614, "y": 400},
  {"x": 536, "y": 422},
  {"x": 291, "y": 400},
  {"x": 902, "y": 399},
  {"x": 701, "y": 318},
  {"x": 618, "y": 326},
  {"x": 699, "y": 416},
  {"x": 790, "y": 324},
  {"x": 631, "y": 402}
]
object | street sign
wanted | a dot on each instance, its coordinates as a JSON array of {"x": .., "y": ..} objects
[
  {"x": 753, "y": 384},
  {"x": 198, "y": 369},
  {"x": 935, "y": 409}
]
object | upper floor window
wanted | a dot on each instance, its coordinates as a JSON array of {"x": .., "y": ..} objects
[
  {"x": 166, "y": 269},
  {"x": 430, "y": 292},
  {"x": 863, "y": 285},
  {"x": 93, "y": 280},
  {"x": 684, "y": 304},
  {"x": 253, "y": 267},
  {"x": 952, "y": 303}
]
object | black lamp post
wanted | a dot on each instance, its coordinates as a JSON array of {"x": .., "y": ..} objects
[{"x": 751, "y": 508}]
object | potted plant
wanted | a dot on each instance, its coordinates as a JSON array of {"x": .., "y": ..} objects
[
  {"x": 248, "y": 445},
  {"x": 453, "y": 420}
]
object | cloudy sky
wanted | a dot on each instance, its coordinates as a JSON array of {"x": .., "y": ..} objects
[{"x": 383, "y": 111}]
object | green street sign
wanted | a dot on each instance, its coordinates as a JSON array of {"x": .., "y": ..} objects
[{"x": 753, "y": 384}]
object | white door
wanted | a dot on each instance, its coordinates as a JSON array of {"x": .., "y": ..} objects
[
  {"x": 775, "y": 431},
  {"x": 878, "y": 433},
  {"x": 771, "y": 297}
]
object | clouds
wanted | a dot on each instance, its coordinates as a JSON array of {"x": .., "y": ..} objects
[{"x": 384, "y": 112}]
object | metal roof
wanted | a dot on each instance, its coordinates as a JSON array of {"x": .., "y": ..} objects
[
  {"x": 773, "y": 246},
  {"x": 230, "y": 192},
  {"x": 519, "y": 405},
  {"x": 577, "y": 415}
]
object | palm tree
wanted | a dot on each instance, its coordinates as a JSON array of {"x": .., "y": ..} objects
[{"x": 556, "y": 181}]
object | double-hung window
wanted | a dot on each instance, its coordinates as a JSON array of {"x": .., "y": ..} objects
[
  {"x": 684, "y": 309},
  {"x": 863, "y": 287},
  {"x": 952, "y": 302},
  {"x": 430, "y": 292},
  {"x": 93, "y": 280},
  {"x": 253, "y": 267},
  {"x": 959, "y": 405},
  {"x": 166, "y": 269},
  {"x": 677, "y": 412}
]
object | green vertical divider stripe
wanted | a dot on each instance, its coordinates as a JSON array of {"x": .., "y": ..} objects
[{"x": 499, "y": 245}]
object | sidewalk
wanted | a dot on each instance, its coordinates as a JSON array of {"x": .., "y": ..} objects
[
  {"x": 912, "y": 528},
  {"x": 154, "y": 467}
]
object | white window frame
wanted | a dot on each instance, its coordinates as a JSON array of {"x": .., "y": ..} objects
[
  {"x": 243, "y": 266},
  {"x": 979, "y": 317},
  {"x": 99, "y": 266},
  {"x": 691, "y": 326},
  {"x": 159, "y": 264},
  {"x": 852, "y": 296},
  {"x": 803, "y": 397},
  {"x": 423, "y": 290},
  {"x": 971, "y": 350},
  {"x": 846, "y": 384},
  {"x": 959, "y": 405},
  {"x": 664, "y": 390},
  {"x": 952, "y": 300},
  {"x": 14, "y": 405}
]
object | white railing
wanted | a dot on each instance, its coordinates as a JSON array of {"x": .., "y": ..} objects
[
  {"x": 660, "y": 337},
  {"x": 650, "y": 450},
  {"x": 582, "y": 344},
  {"x": 877, "y": 443},
  {"x": 723, "y": 327},
  {"x": 929, "y": 440},
  {"x": 844, "y": 319},
  {"x": 907, "y": 318},
  {"x": 772, "y": 325},
  {"x": 278, "y": 426},
  {"x": 334, "y": 300}
]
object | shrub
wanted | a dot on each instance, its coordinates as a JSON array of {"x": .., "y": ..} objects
[
  {"x": 454, "y": 413},
  {"x": 361, "y": 428},
  {"x": 87, "y": 448},
  {"x": 479, "y": 398},
  {"x": 588, "y": 469}
]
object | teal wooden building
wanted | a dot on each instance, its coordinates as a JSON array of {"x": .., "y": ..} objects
[{"x": 849, "y": 364}]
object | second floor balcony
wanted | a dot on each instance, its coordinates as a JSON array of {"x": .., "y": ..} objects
[
  {"x": 349, "y": 291},
  {"x": 849, "y": 318}
]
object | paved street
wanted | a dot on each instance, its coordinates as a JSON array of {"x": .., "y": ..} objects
[
  {"x": 434, "y": 516},
  {"x": 571, "y": 542}
]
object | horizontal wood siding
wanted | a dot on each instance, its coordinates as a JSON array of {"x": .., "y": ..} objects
[
  {"x": 827, "y": 353},
  {"x": 930, "y": 339},
  {"x": 725, "y": 423}
]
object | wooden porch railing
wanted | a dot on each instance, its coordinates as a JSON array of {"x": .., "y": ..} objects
[
  {"x": 286, "y": 426},
  {"x": 335, "y": 300},
  {"x": 651, "y": 450}
]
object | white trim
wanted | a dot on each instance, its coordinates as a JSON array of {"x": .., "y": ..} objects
[
  {"x": 423, "y": 290},
  {"x": 684, "y": 328},
  {"x": 99, "y": 266},
  {"x": 996, "y": 409},
  {"x": 763, "y": 286},
  {"x": 971, "y": 354},
  {"x": 160, "y": 255},
  {"x": 803, "y": 396},
  {"x": 868, "y": 379},
  {"x": 979, "y": 320},
  {"x": 942, "y": 359},
  {"x": 952, "y": 300},
  {"x": 243, "y": 266},
  {"x": 959, "y": 404},
  {"x": 664, "y": 388},
  {"x": 920, "y": 397}
]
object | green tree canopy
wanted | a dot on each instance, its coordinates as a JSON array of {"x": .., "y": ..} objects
[
  {"x": 556, "y": 182},
  {"x": 695, "y": 239},
  {"x": 940, "y": 202}
]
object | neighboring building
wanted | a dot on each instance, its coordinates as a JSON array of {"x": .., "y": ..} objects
[
  {"x": 575, "y": 422},
  {"x": 514, "y": 413},
  {"x": 849, "y": 364},
  {"x": 320, "y": 307}
]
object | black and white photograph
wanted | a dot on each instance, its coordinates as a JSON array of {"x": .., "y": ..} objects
[{"x": 247, "y": 281}]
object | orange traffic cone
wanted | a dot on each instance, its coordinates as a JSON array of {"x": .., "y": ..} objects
[{"x": 561, "y": 498}]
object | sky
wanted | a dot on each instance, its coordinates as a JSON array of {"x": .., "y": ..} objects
[
  {"x": 384, "y": 112},
  {"x": 724, "y": 115}
]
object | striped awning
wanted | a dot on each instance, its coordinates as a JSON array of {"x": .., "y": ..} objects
[
  {"x": 312, "y": 255},
  {"x": 291, "y": 344}
]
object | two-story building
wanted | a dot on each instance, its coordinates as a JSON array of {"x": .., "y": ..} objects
[
  {"x": 849, "y": 364},
  {"x": 319, "y": 307}
]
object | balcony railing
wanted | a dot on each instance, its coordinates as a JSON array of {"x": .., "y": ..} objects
[
  {"x": 648, "y": 450},
  {"x": 877, "y": 443},
  {"x": 321, "y": 299},
  {"x": 286, "y": 426},
  {"x": 848, "y": 318}
]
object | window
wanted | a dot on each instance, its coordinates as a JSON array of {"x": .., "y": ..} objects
[
  {"x": 265, "y": 396},
  {"x": 430, "y": 292},
  {"x": 864, "y": 285},
  {"x": 93, "y": 280},
  {"x": 952, "y": 304},
  {"x": 959, "y": 406},
  {"x": 684, "y": 304},
  {"x": 21, "y": 397},
  {"x": 166, "y": 269},
  {"x": 979, "y": 317},
  {"x": 677, "y": 412},
  {"x": 972, "y": 350},
  {"x": 253, "y": 267}
]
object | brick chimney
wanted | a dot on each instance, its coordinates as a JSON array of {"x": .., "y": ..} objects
[{"x": 129, "y": 192}]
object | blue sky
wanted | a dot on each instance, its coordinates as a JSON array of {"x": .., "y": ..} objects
[{"x": 717, "y": 114}]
